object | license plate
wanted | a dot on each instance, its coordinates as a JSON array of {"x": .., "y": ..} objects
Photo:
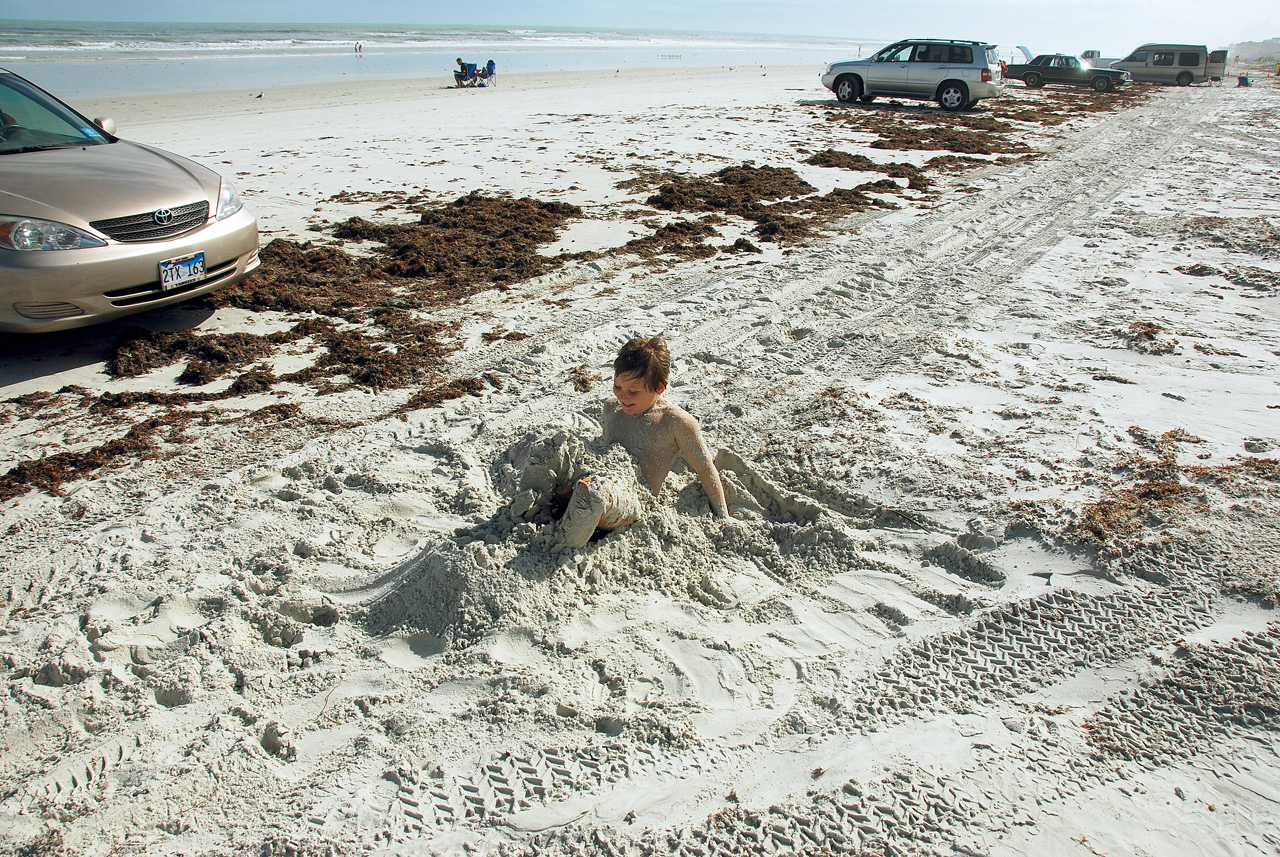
[{"x": 181, "y": 271}]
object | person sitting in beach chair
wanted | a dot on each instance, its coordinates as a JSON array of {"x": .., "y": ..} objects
[
  {"x": 465, "y": 75},
  {"x": 488, "y": 74}
]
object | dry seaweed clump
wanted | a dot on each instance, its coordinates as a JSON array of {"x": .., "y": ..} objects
[
  {"x": 1147, "y": 337},
  {"x": 141, "y": 441},
  {"x": 776, "y": 199},
  {"x": 472, "y": 243},
  {"x": 366, "y": 322},
  {"x": 373, "y": 312},
  {"x": 684, "y": 238},
  {"x": 138, "y": 351},
  {"x": 903, "y": 129},
  {"x": 1257, "y": 236},
  {"x": 1053, "y": 106},
  {"x": 1142, "y": 496},
  {"x": 916, "y": 179}
]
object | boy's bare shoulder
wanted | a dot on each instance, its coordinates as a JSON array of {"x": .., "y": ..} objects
[{"x": 680, "y": 418}]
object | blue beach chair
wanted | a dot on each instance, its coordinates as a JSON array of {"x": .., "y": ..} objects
[{"x": 465, "y": 75}]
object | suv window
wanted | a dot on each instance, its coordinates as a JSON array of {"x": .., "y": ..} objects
[
  {"x": 899, "y": 53},
  {"x": 930, "y": 53},
  {"x": 1162, "y": 58},
  {"x": 1137, "y": 56},
  {"x": 962, "y": 54},
  {"x": 1190, "y": 59}
]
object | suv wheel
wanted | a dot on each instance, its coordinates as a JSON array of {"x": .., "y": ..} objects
[
  {"x": 953, "y": 96},
  {"x": 1184, "y": 79},
  {"x": 848, "y": 89},
  {"x": 1102, "y": 84}
]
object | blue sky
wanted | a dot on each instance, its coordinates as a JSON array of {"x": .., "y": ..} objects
[{"x": 1112, "y": 26}]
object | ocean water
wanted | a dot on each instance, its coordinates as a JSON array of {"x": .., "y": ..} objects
[{"x": 96, "y": 60}]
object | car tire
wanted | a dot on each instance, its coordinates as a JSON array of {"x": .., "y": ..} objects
[
  {"x": 1033, "y": 81},
  {"x": 1102, "y": 84},
  {"x": 848, "y": 89},
  {"x": 1184, "y": 79},
  {"x": 953, "y": 96},
  {"x": 866, "y": 99}
]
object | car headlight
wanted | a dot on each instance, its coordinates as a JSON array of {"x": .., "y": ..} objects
[
  {"x": 228, "y": 201},
  {"x": 31, "y": 233}
]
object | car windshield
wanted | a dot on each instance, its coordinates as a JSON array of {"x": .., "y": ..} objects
[
  {"x": 32, "y": 120},
  {"x": 1085, "y": 64}
]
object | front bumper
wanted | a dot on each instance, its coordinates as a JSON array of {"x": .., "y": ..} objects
[{"x": 58, "y": 290}]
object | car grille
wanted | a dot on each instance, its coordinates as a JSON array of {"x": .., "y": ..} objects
[{"x": 146, "y": 227}]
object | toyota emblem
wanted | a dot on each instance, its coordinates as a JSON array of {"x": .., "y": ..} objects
[{"x": 163, "y": 216}]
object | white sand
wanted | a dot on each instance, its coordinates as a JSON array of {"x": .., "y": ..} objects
[{"x": 340, "y": 642}]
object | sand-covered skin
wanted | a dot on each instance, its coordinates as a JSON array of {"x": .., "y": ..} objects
[{"x": 1003, "y": 573}]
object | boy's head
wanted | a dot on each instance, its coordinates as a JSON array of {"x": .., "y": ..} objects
[{"x": 640, "y": 372}]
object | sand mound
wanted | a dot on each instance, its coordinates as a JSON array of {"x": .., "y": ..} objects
[{"x": 513, "y": 569}]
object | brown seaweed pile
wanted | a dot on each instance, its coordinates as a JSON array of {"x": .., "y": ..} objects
[
  {"x": 1256, "y": 236},
  {"x": 1142, "y": 493},
  {"x": 994, "y": 130},
  {"x": 916, "y": 179},
  {"x": 471, "y": 243},
  {"x": 368, "y": 321},
  {"x": 1053, "y": 106},
  {"x": 776, "y": 199},
  {"x": 370, "y": 317}
]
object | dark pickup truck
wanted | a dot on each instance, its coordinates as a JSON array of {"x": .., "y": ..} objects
[{"x": 1064, "y": 68}]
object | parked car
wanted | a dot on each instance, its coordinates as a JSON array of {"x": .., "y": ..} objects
[
  {"x": 93, "y": 227},
  {"x": 1180, "y": 64},
  {"x": 1066, "y": 69},
  {"x": 956, "y": 74}
]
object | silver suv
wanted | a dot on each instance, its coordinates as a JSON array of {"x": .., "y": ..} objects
[{"x": 953, "y": 73}]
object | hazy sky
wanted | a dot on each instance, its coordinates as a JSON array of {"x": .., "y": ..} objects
[{"x": 1112, "y": 26}]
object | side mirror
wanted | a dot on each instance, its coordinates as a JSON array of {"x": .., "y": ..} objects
[{"x": 106, "y": 123}]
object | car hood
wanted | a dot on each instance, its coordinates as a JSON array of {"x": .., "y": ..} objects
[{"x": 86, "y": 183}]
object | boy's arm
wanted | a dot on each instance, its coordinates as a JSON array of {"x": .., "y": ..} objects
[
  {"x": 609, "y": 412},
  {"x": 694, "y": 448}
]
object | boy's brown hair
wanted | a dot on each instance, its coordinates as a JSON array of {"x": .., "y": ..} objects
[{"x": 647, "y": 359}]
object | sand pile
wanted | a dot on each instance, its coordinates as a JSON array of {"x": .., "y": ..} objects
[{"x": 514, "y": 570}]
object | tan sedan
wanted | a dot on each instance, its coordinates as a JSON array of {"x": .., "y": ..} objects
[{"x": 93, "y": 227}]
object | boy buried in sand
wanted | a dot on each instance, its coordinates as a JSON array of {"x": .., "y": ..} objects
[{"x": 654, "y": 431}]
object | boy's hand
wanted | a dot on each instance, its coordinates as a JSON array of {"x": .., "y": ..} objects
[{"x": 731, "y": 524}]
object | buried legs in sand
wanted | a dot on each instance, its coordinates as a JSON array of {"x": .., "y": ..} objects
[
  {"x": 597, "y": 489},
  {"x": 595, "y": 504}
]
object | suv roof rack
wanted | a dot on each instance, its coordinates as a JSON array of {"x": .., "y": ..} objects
[{"x": 947, "y": 41}]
